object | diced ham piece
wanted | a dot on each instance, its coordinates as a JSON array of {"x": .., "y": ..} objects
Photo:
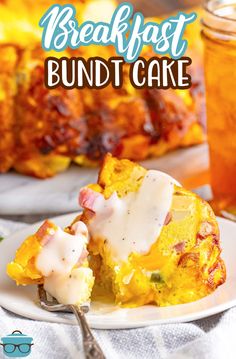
[
  {"x": 46, "y": 231},
  {"x": 95, "y": 203},
  {"x": 179, "y": 247},
  {"x": 206, "y": 229},
  {"x": 168, "y": 219},
  {"x": 87, "y": 198}
]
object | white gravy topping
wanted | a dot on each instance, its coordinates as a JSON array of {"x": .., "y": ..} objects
[
  {"x": 59, "y": 260},
  {"x": 62, "y": 251},
  {"x": 72, "y": 288},
  {"x": 133, "y": 223}
]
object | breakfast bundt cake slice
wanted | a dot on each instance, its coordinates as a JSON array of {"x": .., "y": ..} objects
[{"x": 151, "y": 241}]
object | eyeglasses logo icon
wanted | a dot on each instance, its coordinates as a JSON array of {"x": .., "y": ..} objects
[{"x": 16, "y": 345}]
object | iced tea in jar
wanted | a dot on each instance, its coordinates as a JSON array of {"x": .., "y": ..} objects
[{"x": 219, "y": 35}]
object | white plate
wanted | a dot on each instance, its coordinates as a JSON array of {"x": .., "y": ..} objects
[{"x": 23, "y": 300}]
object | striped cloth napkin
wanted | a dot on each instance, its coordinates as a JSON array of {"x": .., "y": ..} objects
[{"x": 210, "y": 338}]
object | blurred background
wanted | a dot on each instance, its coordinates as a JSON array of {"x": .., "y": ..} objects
[
  {"x": 43, "y": 133},
  {"x": 150, "y": 7},
  {"x": 158, "y": 7}
]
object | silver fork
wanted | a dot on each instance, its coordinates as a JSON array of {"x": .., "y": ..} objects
[{"x": 92, "y": 349}]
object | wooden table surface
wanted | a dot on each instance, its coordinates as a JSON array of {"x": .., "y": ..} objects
[{"x": 159, "y": 7}]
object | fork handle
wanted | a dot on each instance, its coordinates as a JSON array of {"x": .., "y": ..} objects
[{"x": 92, "y": 349}]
